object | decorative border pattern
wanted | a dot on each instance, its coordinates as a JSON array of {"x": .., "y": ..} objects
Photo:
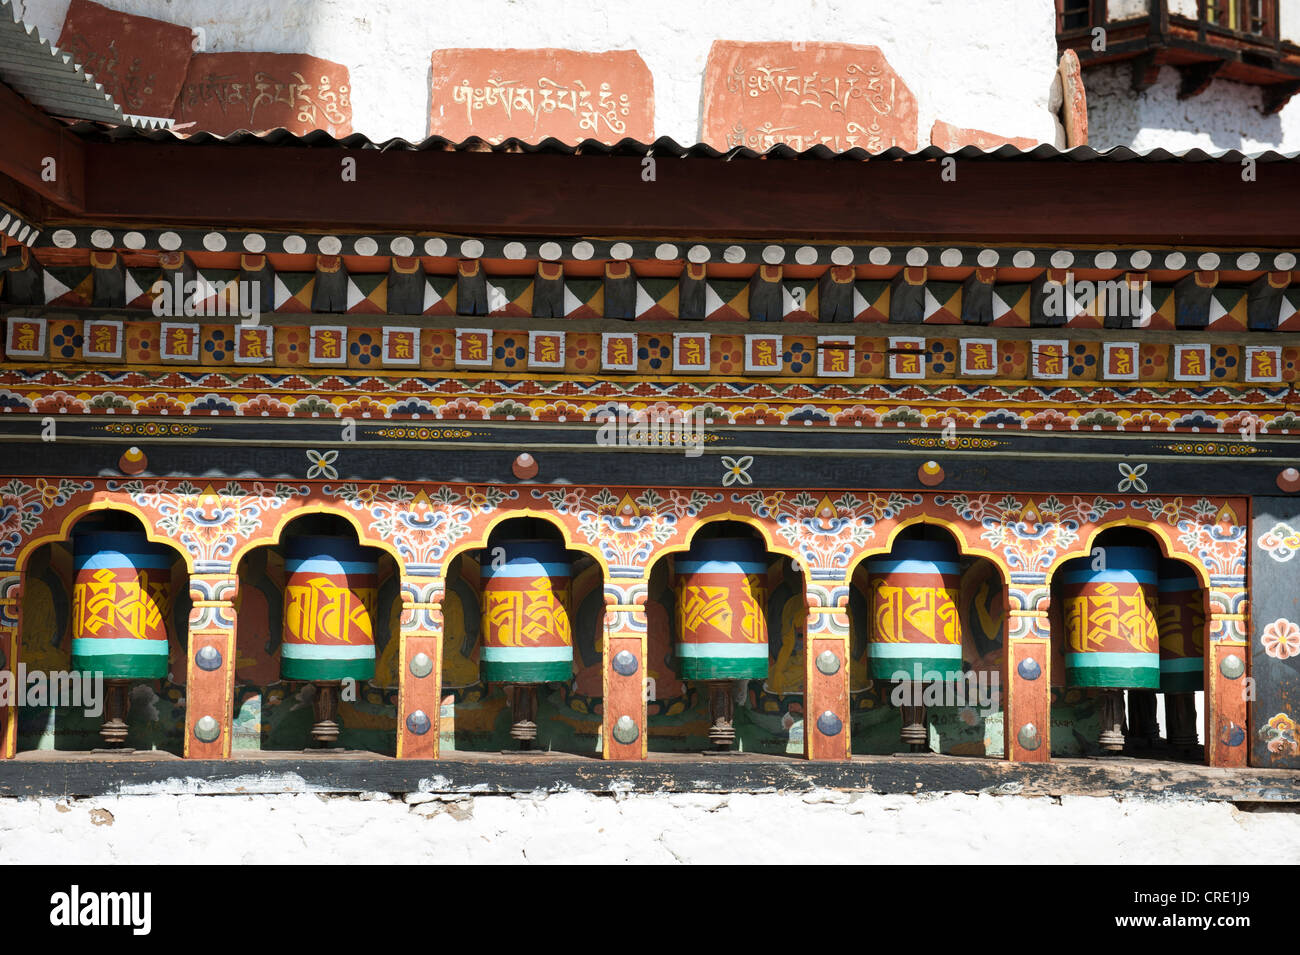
[{"x": 562, "y": 248}]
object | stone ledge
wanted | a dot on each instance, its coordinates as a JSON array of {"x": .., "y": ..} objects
[{"x": 94, "y": 774}]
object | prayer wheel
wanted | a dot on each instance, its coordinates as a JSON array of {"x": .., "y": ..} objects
[
  {"x": 721, "y": 625},
  {"x": 1111, "y": 640},
  {"x": 330, "y": 591},
  {"x": 526, "y": 633},
  {"x": 527, "y": 636},
  {"x": 1181, "y": 619},
  {"x": 721, "y": 595},
  {"x": 1110, "y": 620},
  {"x": 121, "y": 597},
  {"x": 915, "y": 591}
]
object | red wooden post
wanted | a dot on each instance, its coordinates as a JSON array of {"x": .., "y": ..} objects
[
  {"x": 420, "y": 680},
  {"x": 210, "y": 667},
  {"x": 624, "y": 717}
]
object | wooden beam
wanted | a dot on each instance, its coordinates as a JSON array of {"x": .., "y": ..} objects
[
  {"x": 497, "y": 193},
  {"x": 28, "y": 140}
]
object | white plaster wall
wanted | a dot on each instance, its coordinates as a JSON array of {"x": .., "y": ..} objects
[
  {"x": 774, "y": 828},
  {"x": 966, "y": 64},
  {"x": 1288, "y": 16},
  {"x": 1128, "y": 9},
  {"x": 1225, "y": 116}
]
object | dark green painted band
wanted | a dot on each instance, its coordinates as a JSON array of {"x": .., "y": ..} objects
[
  {"x": 1114, "y": 678},
  {"x": 123, "y": 666},
  {"x": 1182, "y": 682},
  {"x": 723, "y": 668},
  {"x": 544, "y": 671},
  {"x": 931, "y": 668},
  {"x": 327, "y": 670}
]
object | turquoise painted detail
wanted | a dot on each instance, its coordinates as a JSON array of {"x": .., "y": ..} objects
[
  {"x": 736, "y": 650},
  {"x": 525, "y": 654}
]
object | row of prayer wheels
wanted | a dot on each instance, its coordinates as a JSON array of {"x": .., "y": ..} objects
[
  {"x": 1131, "y": 622},
  {"x": 122, "y": 597}
]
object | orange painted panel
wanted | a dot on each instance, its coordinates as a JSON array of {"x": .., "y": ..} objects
[
  {"x": 1227, "y": 725},
  {"x": 419, "y": 694},
  {"x": 1028, "y": 701},
  {"x": 624, "y": 697},
  {"x": 826, "y": 717}
]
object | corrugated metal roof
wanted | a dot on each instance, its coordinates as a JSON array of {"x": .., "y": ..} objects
[
  {"x": 665, "y": 146},
  {"x": 51, "y": 80}
]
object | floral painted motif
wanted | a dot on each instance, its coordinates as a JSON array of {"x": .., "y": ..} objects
[
  {"x": 626, "y": 529},
  {"x": 737, "y": 470},
  {"x": 209, "y": 521},
  {"x": 23, "y": 506},
  {"x": 422, "y": 526},
  {"x": 1131, "y": 478},
  {"x": 1279, "y": 733},
  {"x": 322, "y": 465},
  {"x": 1281, "y": 639},
  {"x": 1282, "y": 542},
  {"x": 827, "y": 533}
]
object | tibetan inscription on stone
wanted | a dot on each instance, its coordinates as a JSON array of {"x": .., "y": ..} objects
[
  {"x": 257, "y": 91},
  {"x": 533, "y": 94},
  {"x": 831, "y": 94}
]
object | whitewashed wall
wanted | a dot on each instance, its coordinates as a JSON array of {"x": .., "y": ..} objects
[
  {"x": 965, "y": 66},
  {"x": 777, "y": 829},
  {"x": 1225, "y": 116}
]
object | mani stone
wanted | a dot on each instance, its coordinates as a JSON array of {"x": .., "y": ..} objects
[
  {"x": 837, "y": 95},
  {"x": 141, "y": 62},
  {"x": 269, "y": 94},
  {"x": 533, "y": 94}
]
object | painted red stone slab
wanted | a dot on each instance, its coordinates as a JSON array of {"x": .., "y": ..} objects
[
  {"x": 834, "y": 94},
  {"x": 1074, "y": 107},
  {"x": 533, "y": 94},
  {"x": 949, "y": 137},
  {"x": 224, "y": 92},
  {"x": 140, "y": 61}
]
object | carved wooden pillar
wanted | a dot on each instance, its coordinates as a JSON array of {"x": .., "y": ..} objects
[
  {"x": 826, "y": 720},
  {"x": 210, "y": 667},
  {"x": 625, "y": 723},
  {"x": 1027, "y": 704},
  {"x": 1227, "y": 656},
  {"x": 10, "y": 619},
  {"x": 419, "y": 700}
]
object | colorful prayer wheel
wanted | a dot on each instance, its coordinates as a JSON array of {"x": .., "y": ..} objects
[
  {"x": 721, "y": 596},
  {"x": 915, "y": 591},
  {"x": 1110, "y": 620},
  {"x": 1180, "y": 616},
  {"x": 330, "y": 590},
  {"x": 527, "y": 637},
  {"x": 121, "y": 596}
]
